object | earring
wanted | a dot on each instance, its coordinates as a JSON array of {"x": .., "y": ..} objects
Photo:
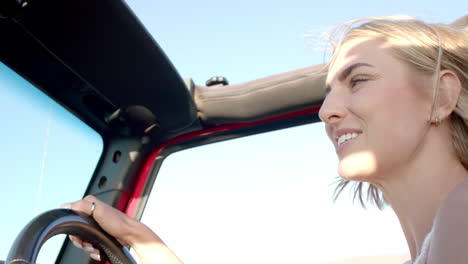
[{"x": 436, "y": 121}]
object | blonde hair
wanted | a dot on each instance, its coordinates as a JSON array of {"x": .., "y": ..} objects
[{"x": 428, "y": 48}]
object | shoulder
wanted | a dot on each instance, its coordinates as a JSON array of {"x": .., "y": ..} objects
[
  {"x": 457, "y": 198},
  {"x": 449, "y": 243},
  {"x": 455, "y": 207}
]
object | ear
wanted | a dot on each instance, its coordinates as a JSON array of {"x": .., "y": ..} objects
[{"x": 448, "y": 94}]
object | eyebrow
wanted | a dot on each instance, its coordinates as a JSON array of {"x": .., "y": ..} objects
[{"x": 346, "y": 72}]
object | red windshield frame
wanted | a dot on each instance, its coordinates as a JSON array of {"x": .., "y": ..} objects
[{"x": 129, "y": 203}]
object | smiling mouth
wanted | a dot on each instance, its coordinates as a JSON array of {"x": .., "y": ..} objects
[{"x": 345, "y": 137}]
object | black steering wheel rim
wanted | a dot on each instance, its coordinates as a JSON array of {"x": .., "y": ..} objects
[{"x": 29, "y": 241}]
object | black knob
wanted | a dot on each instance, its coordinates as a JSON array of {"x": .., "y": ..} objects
[{"x": 215, "y": 80}]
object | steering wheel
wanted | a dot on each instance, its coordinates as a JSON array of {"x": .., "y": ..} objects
[{"x": 29, "y": 241}]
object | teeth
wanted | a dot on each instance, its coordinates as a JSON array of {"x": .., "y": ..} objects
[{"x": 346, "y": 137}]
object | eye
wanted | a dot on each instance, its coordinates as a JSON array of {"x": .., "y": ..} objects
[
  {"x": 327, "y": 90},
  {"x": 356, "y": 80}
]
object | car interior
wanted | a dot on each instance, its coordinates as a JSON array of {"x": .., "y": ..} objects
[{"x": 97, "y": 61}]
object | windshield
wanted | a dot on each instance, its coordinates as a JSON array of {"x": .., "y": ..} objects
[
  {"x": 265, "y": 198},
  {"x": 48, "y": 157}
]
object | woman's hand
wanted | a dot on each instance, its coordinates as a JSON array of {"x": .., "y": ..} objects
[{"x": 128, "y": 231}]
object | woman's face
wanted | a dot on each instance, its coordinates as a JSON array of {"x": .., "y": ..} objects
[{"x": 376, "y": 111}]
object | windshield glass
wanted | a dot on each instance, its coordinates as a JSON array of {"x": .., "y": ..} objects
[
  {"x": 48, "y": 157},
  {"x": 266, "y": 199}
]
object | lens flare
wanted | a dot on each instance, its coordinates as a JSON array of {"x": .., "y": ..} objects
[{"x": 360, "y": 164}]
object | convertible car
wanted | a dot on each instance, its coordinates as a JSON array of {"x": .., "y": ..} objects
[{"x": 97, "y": 61}]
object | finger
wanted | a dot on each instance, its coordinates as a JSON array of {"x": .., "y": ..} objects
[
  {"x": 86, "y": 246},
  {"x": 85, "y": 205},
  {"x": 90, "y": 248},
  {"x": 123, "y": 243},
  {"x": 76, "y": 241},
  {"x": 95, "y": 256},
  {"x": 77, "y": 244},
  {"x": 93, "y": 200},
  {"x": 100, "y": 208}
]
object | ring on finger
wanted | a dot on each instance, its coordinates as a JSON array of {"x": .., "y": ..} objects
[{"x": 93, "y": 207}]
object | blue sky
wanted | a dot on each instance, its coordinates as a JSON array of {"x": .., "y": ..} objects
[
  {"x": 245, "y": 40},
  {"x": 241, "y": 40},
  {"x": 43, "y": 168}
]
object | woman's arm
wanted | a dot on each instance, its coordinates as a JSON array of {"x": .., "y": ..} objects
[
  {"x": 128, "y": 231},
  {"x": 150, "y": 248}
]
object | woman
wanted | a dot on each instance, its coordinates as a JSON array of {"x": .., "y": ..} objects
[
  {"x": 396, "y": 109},
  {"x": 397, "y": 112}
]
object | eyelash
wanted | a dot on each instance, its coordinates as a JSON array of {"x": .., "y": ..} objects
[{"x": 357, "y": 80}]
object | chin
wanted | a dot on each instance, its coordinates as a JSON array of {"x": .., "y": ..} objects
[{"x": 358, "y": 166}]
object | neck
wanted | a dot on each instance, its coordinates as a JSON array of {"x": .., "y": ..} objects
[{"x": 416, "y": 190}]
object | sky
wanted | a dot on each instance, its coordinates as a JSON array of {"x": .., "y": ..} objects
[
  {"x": 241, "y": 40},
  {"x": 44, "y": 169}
]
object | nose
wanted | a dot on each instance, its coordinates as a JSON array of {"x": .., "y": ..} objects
[{"x": 333, "y": 108}]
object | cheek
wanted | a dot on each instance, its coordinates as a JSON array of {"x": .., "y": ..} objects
[
  {"x": 398, "y": 142},
  {"x": 328, "y": 130},
  {"x": 403, "y": 115},
  {"x": 396, "y": 108},
  {"x": 394, "y": 123}
]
